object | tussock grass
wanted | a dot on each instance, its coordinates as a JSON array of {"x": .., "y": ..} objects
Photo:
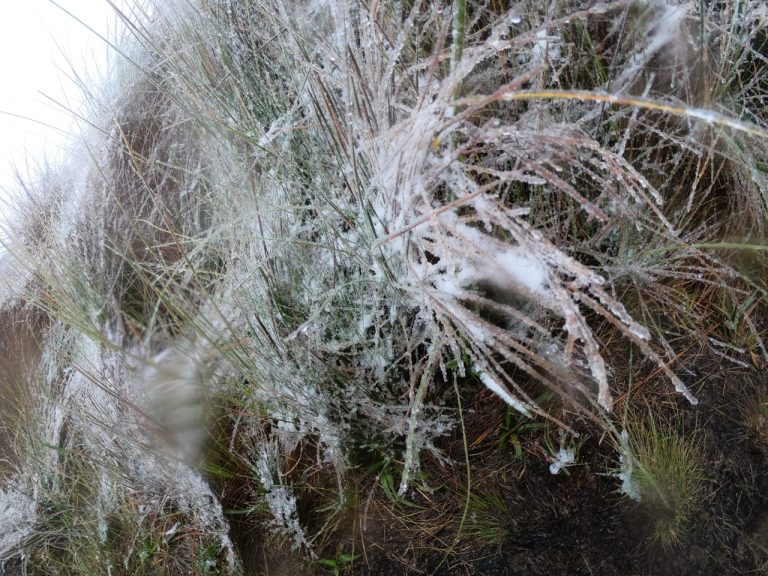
[{"x": 319, "y": 214}]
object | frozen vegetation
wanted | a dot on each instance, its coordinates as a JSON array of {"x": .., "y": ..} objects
[{"x": 304, "y": 246}]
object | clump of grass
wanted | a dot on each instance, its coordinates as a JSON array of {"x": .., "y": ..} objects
[
  {"x": 753, "y": 409},
  {"x": 81, "y": 527},
  {"x": 668, "y": 475},
  {"x": 487, "y": 519},
  {"x": 162, "y": 541},
  {"x": 20, "y": 383}
]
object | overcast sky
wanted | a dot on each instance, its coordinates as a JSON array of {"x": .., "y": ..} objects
[{"x": 39, "y": 46}]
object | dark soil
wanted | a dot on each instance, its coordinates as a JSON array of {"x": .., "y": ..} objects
[
  {"x": 576, "y": 522},
  {"x": 573, "y": 523}
]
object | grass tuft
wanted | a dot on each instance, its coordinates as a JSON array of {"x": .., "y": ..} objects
[{"x": 669, "y": 477}]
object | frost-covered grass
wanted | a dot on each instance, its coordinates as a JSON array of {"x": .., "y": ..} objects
[{"x": 308, "y": 219}]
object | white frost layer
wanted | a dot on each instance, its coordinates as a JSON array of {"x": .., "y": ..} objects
[
  {"x": 17, "y": 517},
  {"x": 503, "y": 393},
  {"x": 564, "y": 457},
  {"x": 625, "y": 473},
  {"x": 544, "y": 47}
]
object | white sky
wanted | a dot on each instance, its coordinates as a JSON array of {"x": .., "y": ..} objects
[{"x": 39, "y": 46}]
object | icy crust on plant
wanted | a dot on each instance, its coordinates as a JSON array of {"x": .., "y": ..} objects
[
  {"x": 564, "y": 458},
  {"x": 627, "y": 469},
  {"x": 440, "y": 224},
  {"x": 95, "y": 403},
  {"x": 97, "y": 416},
  {"x": 278, "y": 496},
  {"x": 446, "y": 235},
  {"x": 18, "y": 512},
  {"x": 88, "y": 413}
]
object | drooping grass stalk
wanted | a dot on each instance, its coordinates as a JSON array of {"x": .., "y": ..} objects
[
  {"x": 411, "y": 449},
  {"x": 708, "y": 116},
  {"x": 459, "y": 30},
  {"x": 712, "y": 246},
  {"x": 465, "y": 444}
]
